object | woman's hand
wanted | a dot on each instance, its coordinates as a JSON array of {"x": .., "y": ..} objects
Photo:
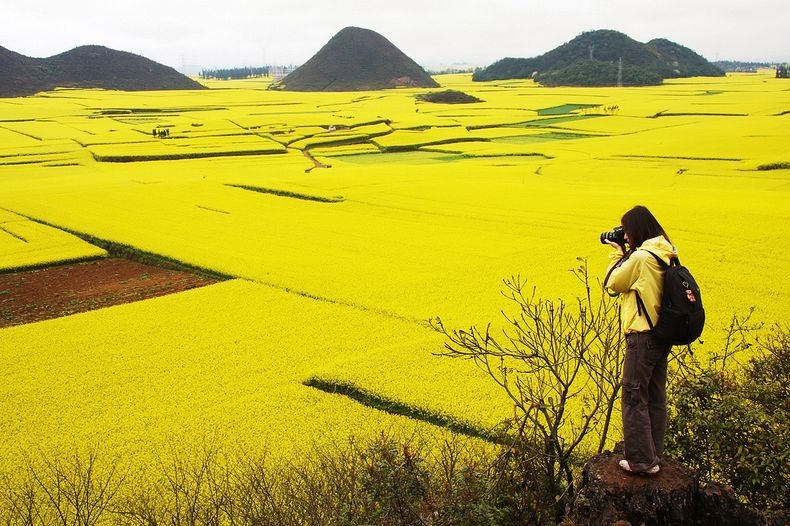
[{"x": 617, "y": 247}]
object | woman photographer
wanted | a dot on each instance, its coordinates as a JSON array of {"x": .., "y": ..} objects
[{"x": 636, "y": 275}]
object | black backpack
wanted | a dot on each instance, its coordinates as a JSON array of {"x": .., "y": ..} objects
[{"x": 681, "y": 317}]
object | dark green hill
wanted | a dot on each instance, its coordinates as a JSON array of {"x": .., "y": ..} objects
[
  {"x": 357, "y": 59},
  {"x": 594, "y": 73},
  {"x": 87, "y": 67},
  {"x": 20, "y": 75},
  {"x": 658, "y": 57},
  {"x": 682, "y": 61}
]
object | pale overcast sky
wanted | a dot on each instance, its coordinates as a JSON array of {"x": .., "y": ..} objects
[{"x": 434, "y": 33}]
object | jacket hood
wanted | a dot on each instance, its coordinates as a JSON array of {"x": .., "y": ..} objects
[{"x": 660, "y": 247}]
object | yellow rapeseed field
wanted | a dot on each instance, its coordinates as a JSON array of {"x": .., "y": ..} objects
[
  {"x": 25, "y": 243},
  {"x": 347, "y": 220}
]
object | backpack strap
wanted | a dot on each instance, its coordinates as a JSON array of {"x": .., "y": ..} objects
[
  {"x": 663, "y": 264},
  {"x": 640, "y": 305},
  {"x": 640, "y": 308}
]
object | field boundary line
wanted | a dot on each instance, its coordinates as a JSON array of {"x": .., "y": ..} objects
[
  {"x": 395, "y": 407},
  {"x": 124, "y": 251}
]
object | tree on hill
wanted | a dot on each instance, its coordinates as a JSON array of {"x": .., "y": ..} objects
[
  {"x": 507, "y": 68},
  {"x": 680, "y": 61},
  {"x": 235, "y": 73},
  {"x": 592, "y": 73},
  {"x": 449, "y": 96},
  {"x": 741, "y": 66}
]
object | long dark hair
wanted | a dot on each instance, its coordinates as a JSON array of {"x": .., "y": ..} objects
[{"x": 640, "y": 225}]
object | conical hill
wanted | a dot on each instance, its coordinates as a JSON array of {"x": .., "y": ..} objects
[{"x": 357, "y": 59}]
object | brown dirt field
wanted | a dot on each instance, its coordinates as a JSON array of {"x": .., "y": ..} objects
[{"x": 32, "y": 295}]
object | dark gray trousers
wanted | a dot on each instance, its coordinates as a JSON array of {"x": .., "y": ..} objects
[{"x": 644, "y": 400}]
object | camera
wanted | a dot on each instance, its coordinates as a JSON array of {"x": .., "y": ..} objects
[{"x": 617, "y": 234}]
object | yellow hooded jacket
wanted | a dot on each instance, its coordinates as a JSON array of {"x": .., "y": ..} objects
[{"x": 640, "y": 272}]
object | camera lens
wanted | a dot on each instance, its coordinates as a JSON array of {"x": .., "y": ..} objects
[{"x": 616, "y": 235}]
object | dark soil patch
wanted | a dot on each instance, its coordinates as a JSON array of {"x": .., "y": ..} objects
[{"x": 52, "y": 292}]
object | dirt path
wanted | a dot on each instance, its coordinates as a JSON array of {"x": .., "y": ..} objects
[
  {"x": 316, "y": 162},
  {"x": 33, "y": 295}
]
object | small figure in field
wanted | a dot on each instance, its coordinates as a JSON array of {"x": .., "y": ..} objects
[{"x": 636, "y": 275}]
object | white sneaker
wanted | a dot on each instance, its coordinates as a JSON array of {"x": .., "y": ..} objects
[{"x": 625, "y": 466}]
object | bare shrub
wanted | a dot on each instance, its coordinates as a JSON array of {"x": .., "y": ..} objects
[
  {"x": 78, "y": 490},
  {"x": 561, "y": 365}
]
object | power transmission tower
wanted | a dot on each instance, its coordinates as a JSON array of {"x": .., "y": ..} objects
[{"x": 620, "y": 73}]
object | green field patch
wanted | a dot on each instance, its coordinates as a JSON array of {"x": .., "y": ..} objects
[
  {"x": 565, "y": 109},
  {"x": 345, "y": 150},
  {"x": 404, "y": 140},
  {"x": 552, "y": 121},
  {"x": 287, "y": 193},
  {"x": 405, "y": 157},
  {"x": 487, "y": 152},
  {"x": 530, "y": 123},
  {"x": 395, "y": 407},
  {"x": 409, "y": 147},
  {"x": 542, "y": 137}
]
